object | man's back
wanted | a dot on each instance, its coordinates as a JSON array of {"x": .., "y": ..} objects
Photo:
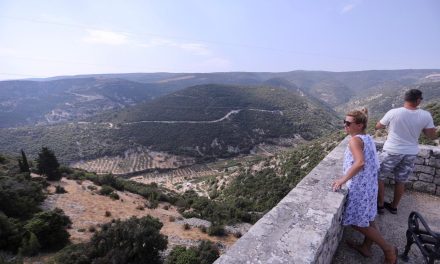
[{"x": 405, "y": 126}]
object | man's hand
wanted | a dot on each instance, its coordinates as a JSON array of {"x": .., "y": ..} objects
[{"x": 379, "y": 125}]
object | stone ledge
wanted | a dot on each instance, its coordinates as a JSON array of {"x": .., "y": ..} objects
[{"x": 304, "y": 227}]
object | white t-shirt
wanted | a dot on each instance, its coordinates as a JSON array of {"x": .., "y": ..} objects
[{"x": 404, "y": 128}]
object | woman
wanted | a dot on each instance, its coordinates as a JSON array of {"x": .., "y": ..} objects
[{"x": 360, "y": 174}]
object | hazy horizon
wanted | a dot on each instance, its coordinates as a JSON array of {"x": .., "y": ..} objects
[{"x": 47, "y": 39}]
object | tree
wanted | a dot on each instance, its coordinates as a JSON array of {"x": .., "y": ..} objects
[
  {"x": 48, "y": 164},
  {"x": 23, "y": 162}
]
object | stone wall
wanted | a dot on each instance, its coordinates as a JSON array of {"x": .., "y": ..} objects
[
  {"x": 426, "y": 176},
  {"x": 305, "y": 227}
]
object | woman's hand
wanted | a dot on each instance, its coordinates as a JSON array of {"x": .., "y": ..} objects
[{"x": 337, "y": 184}]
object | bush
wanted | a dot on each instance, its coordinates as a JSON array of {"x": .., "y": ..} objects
[
  {"x": 181, "y": 255},
  {"x": 114, "y": 196},
  {"x": 11, "y": 232},
  {"x": 92, "y": 187},
  {"x": 207, "y": 252},
  {"x": 186, "y": 226},
  {"x": 92, "y": 229},
  {"x": 29, "y": 245},
  {"x": 20, "y": 197},
  {"x": 136, "y": 240},
  {"x": 60, "y": 189},
  {"x": 72, "y": 254},
  {"x": 106, "y": 190},
  {"x": 172, "y": 218},
  {"x": 216, "y": 230},
  {"x": 108, "y": 213},
  {"x": 50, "y": 228}
]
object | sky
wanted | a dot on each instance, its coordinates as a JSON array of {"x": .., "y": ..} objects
[{"x": 62, "y": 37}]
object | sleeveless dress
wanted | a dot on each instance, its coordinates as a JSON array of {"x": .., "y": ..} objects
[{"x": 361, "y": 204}]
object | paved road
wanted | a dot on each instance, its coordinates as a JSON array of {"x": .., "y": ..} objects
[{"x": 393, "y": 228}]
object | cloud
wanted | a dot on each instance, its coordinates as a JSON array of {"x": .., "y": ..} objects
[
  {"x": 350, "y": 6},
  {"x": 105, "y": 37},
  {"x": 193, "y": 47}
]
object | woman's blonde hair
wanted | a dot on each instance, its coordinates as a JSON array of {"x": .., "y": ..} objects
[{"x": 360, "y": 117}]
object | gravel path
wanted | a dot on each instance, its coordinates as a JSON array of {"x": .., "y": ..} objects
[{"x": 393, "y": 228}]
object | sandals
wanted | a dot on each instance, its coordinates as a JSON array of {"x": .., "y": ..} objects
[
  {"x": 380, "y": 209},
  {"x": 390, "y": 208}
]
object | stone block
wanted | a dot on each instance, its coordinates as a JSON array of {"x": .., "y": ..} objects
[
  {"x": 437, "y": 163},
  {"x": 425, "y": 153},
  {"x": 426, "y": 177},
  {"x": 409, "y": 185},
  {"x": 438, "y": 191},
  {"x": 419, "y": 161},
  {"x": 413, "y": 177},
  {"x": 436, "y": 153},
  {"x": 437, "y": 179},
  {"x": 424, "y": 169},
  {"x": 429, "y": 161},
  {"x": 424, "y": 187}
]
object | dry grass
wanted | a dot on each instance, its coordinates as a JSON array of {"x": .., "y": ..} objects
[{"x": 86, "y": 209}]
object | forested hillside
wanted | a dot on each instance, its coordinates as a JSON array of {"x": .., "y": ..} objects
[{"x": 204, "y": 121}]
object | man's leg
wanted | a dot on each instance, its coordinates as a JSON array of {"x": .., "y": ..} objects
[
  {"x": 381, "y": 192},
  {"x": 401, "y": 174},
  {"x": 399, "y": 189}
]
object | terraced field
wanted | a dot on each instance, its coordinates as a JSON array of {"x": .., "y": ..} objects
[{"x": 134, "y": 161}]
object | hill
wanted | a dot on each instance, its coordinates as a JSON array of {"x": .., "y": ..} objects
[
  {"x": 73, "y": 98},
  {"x": 49, "y": 102},
  {"x": 383, "y": 101},
  {"x": 204, "y": 121}
]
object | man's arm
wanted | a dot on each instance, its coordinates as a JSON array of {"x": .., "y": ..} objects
[
  {"x": 430, "y": 133},
  {"x": 379, "y": 125}
]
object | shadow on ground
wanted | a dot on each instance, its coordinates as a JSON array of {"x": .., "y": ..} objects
[{"x": 393, "y": 228}]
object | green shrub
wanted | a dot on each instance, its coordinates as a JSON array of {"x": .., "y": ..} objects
[
  {"x": 72, "y": 254},
  {"x": 11, "y": 232},
  {"x": 136, "y": 240},
  {"x": 216, "y": 230},
  {"x": 114, "y": 196},
  {"x": 181, "y": 255},
  {"x": 29, "y": 245},
  {"x": 106, "y": 190},
  {"x": 20, "y": 197},
  {"x": 60, "y": 189},
  {"x": 50, "y": 228}
]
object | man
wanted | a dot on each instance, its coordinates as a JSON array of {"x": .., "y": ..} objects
[{"x": 401, "y": 147}]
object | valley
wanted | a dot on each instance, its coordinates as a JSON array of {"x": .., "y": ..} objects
[{"x": 192, "y": 150}]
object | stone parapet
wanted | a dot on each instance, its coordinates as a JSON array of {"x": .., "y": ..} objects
[{"x": 305, "y": 227}]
